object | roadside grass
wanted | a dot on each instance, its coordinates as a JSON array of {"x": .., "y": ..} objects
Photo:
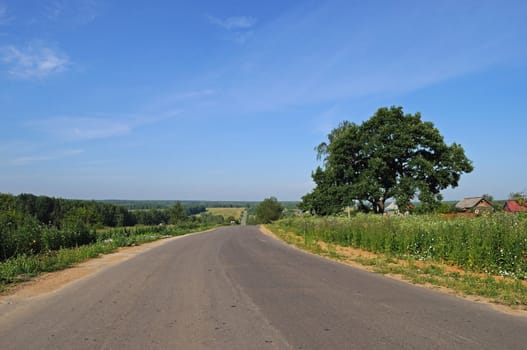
[
  {"x": 507, "y": 291},
  {"x": 227, "y": 212},
  {"x": 22, "y": 268}
]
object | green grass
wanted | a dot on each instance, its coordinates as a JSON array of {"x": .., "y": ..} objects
[
  {"x": 23, "y": 267},
  {"x": 496, "y": 244},
  {"x": 491, "y": 251}
]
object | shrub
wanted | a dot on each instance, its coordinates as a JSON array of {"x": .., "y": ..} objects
[{"x": 19, "y": 234}]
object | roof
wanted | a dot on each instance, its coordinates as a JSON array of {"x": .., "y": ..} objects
[
  {"x": 470, "y": 202},
  {"x": 393, "y": 206},
  {"x": 513, "y": 206}
]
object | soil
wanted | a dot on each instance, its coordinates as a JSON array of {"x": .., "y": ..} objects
[
  {"x": 53, "y": 281},
  {"x": 347, "y": 255}
]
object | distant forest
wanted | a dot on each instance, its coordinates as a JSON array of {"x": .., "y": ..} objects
[
  {"x": 114, "y": 213},
  {"x": 32, "y": 224},
  {"x": 163, "y": 204},
  {"x": 57, "y": 211}
]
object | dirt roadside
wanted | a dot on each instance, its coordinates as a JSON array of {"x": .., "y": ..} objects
[
  {"x": 346, "y": 255},
  {"x": 53, "y": 281}
]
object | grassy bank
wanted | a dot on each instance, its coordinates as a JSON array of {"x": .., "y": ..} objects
[
  {"x": 481, "y": 257},
  {"x": 23, "y": 267}
]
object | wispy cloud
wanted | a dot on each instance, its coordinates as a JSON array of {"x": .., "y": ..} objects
[
  {"x": 237, "y": 29},
  {"x": 240, "y": 37},
  {"x": 191, "y": 95},
  {"x": 82, "y": 128},
  {"x": 241, "y": 22},
  {"x": 173, "y": 103},
  {"x": 25, "y": 160},
  {"x": 313, "y": 54},
  {"x": 4, "y": 14},
  {"x": 77, "y": 129},
  {"x": 324, "y": 122},
  {"x": 75, "y": 11},
  {"x": 35, "y": 61}
]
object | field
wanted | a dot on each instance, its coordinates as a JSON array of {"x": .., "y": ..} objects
[{"x": 236, "y": 213}]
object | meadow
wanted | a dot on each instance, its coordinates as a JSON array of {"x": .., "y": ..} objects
[
  {"x": 485, "y": 257},
  {"x": 494, "y": 244}
]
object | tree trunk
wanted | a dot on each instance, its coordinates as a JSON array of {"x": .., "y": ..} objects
[{"x": 379, "y": 206}]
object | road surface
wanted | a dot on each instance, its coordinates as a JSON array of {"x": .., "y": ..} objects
[{"x": 235, "y": 288}]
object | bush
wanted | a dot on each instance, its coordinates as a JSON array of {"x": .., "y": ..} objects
[
  {"x": 22, "y": 234},
  {"x": 19, "y": 234},
  {"x": 268, "y": 210}
]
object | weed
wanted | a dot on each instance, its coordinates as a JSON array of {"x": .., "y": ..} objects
[
  {"x": 418, "y": 248},
  {"x": 22, "y": 267}
]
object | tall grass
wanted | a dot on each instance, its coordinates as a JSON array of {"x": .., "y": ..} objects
[
  {"x": 496, "y": 244},
  {"x": 23, "y": 266},
  {"x": 22, "y": 234}
]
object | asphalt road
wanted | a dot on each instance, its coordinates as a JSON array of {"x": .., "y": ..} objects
[{"x": 235, "y": 288}]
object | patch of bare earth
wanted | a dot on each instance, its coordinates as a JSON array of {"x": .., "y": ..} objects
[
  {"x": 350, "y": 256},
  {"x": 53, "y": 281}
]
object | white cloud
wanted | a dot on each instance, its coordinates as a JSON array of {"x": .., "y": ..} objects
[
  {"x": 314, "y": 55},
  {"x": 35, "y": 61},
  {"x": 190, "y": 95},
  {"x": 82, "y": 128},
  {"x": 77, "y": 12},
  {"x": 327, "y": 120},
  {"x": 4, "y": 14},
  {"x": 240, "y": 37},
  {"x": 24, "y": 160},
  {"x": 76, "y": 129},
  {"x": 237, "y": 29},
  {"x": 241, "y": 22},
  {"x": 173, "y": 103}
]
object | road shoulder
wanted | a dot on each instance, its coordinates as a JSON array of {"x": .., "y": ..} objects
[{"x": 349, "y": 256}]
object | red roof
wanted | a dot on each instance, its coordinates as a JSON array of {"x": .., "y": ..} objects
[{"x": 513, "y": 206}]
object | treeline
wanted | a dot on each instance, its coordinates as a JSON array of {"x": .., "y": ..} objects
[
  {"x": 56, "y": 211},
  {"x": 32, "y": 224},
  {"x": 163, "y": 204}
]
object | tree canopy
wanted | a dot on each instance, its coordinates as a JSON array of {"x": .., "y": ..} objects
[
  {"x": 519, "y": 197},
  {"x": 391, "y": 155},
  {"x": 268, "y": 210}
]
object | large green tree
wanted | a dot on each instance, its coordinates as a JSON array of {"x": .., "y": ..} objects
[{"x": 391, "y": 155}]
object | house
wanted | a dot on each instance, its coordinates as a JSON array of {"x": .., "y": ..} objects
[
  {"x": 475, "y": 205},
  {"x": 513, "y": 206},
  {"x": 393, "y": 209}
]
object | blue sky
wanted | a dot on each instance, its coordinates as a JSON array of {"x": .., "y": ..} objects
[{"x": 226, "y": 100}]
